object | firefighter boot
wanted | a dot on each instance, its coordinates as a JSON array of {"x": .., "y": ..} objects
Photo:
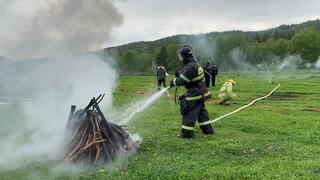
[
  {"x": 186, "y": 133},
  {"x": 207, "y": 129},
  {"x": 223, "y": 102}
]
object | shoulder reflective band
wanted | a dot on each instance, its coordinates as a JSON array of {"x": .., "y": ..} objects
[
  {"x": 198, "y": 78},
  {"x": 188, "y": 128},
  {"x": 174, "y": 81},
  {"x": 205, "y": 123},
  {"x": 197, "y": 97},
  {"x": 184, "y": 78}
]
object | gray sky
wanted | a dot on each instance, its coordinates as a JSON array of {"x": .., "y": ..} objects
[
  {"x": 149, "y": 19},
  {"x": 53, "y": 26}
]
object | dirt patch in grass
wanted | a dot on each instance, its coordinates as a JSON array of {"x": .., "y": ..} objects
[
  {"x": 287, "y": 95},
  {"x": 213, "y": 100},
  {"x": 146, "y": 93},
  {"x": 317, "y": 110},
  {"x": 270, "y": 107}
]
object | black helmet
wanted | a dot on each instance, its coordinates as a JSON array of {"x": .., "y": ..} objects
[{"x": 184, "y": 52}]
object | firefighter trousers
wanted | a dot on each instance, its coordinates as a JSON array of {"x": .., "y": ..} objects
[{"x": 191, "y": 112}]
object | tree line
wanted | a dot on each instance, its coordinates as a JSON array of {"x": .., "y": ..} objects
[{"x": 231, "y": 50}]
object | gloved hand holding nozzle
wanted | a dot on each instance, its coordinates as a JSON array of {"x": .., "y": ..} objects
[{"x": 172, "y": 83}]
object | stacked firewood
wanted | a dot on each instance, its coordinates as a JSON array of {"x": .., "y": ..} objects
[{"x": 91, "y": 139}]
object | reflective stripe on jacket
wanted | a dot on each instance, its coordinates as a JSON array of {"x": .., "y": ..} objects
[{"x": 192, "y": 78}]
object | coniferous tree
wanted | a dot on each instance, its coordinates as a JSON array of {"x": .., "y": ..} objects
[{"x": 162, "y": 57}]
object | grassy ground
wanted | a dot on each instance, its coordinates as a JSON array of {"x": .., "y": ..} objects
[{"x": 276, "y": 138}]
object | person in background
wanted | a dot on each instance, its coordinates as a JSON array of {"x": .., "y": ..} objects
[
  {"x": 207, "y": 74},
  {"x": 214, "y": 73},
  {"x": 225, "y": 93},
  {"x": 161, "y": 76},
  {"x": 176, "y": 72}
]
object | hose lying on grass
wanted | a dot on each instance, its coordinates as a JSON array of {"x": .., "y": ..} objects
[{"x": 239, "y": 109}]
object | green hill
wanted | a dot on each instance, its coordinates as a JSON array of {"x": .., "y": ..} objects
[{"x": 226, "y": 49}]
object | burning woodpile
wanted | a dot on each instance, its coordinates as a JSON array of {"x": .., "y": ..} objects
[{"x": 91, "y": 139}]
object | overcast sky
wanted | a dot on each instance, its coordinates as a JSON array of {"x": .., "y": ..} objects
[
  {"x": 56, "y": 25},
  {"x": 151, "y": 19}
]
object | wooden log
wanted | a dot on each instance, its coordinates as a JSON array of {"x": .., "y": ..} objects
[{"x": 94, "y": 140}]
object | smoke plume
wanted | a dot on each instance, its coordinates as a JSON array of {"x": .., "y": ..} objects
[
  {"x": 238, "y": 58},
  {"x": 204, "y": 47},
  {"x": 33, "y": 130},
  {"x": 317, "y": 64},
  {"x": 290, "y": 62},
  {"x": 52, "y": 86},
  {"x": 58, "y": 27}
]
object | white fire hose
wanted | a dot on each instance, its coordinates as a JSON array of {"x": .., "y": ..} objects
[{"x": 239, "y": 109}]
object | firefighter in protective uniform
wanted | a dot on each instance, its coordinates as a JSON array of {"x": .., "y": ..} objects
[
  {"x": 225, "y": 93},
  {"x": 192, "y": 103}
]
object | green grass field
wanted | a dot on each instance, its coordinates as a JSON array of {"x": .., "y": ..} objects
[{"x": 275, "y": 138}]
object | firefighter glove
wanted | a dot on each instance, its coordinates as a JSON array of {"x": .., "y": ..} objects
[{"x": 172, "y": 83}]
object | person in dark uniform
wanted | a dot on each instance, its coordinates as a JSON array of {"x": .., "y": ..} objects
[
  {"x": 207, "y": 74},
  {"x": 176, "y": 72},
  {"x": 192, "y": 103},
  {"x": 161, "y": 76},
  {"x": 214, "y": 72}
]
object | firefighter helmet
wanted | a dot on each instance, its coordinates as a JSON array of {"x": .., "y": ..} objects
[
  {"x": 184, "y": 52},
  {"x": 232, "y": 81}
]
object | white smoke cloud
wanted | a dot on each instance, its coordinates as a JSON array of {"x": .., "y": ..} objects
[
  {"x": 290, "y": 62},
  {"x": 203, "y": 46},
  {"x": 317, "y": 64},
  {"x": 53, "y": 85},
  {"x": 33, "y": 131},
  {"x": 206, "y": 47},
  {"x": 56, "y": 27},
  {"x": 238, "y": 58}
]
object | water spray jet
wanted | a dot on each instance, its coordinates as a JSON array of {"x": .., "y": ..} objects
[{"x": 140, "y": 106}]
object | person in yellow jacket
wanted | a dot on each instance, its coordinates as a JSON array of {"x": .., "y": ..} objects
[{"x": 225, "y": 93}]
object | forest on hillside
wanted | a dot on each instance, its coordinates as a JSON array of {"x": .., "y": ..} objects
[{"x": 286, "y": 46}]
